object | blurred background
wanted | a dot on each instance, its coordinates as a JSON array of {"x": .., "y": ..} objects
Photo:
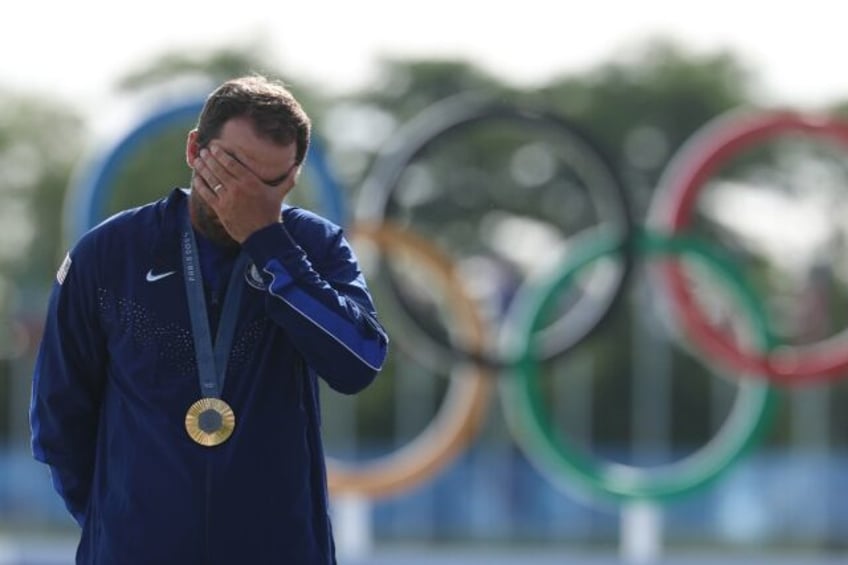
[{"x": 459, "y": 231}]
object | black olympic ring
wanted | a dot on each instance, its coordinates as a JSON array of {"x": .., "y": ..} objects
[{"x": 581, "y": 158}]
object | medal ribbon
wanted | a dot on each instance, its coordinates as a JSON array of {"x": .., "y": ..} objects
[{"x": 211, "y": 360}]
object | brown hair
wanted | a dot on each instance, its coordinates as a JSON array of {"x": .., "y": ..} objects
[{"x": 273, "y": 110}]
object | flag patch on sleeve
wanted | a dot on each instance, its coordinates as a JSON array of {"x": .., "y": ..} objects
[{"x": 63, "y": 269}]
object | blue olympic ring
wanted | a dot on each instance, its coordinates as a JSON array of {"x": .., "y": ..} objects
[{"x": 87, "y": 198}]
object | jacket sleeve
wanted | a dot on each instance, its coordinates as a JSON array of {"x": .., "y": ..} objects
[
  {"x": 67, "y": 386},
  {"x": 319, "y": 297}
]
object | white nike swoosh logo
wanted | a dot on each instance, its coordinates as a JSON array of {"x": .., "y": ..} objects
[{"x": 151, "y": 277}]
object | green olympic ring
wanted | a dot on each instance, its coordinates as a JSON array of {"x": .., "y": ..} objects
[{"x": 568, "y": 467}]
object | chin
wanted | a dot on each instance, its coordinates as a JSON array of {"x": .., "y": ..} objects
[
  {"x": 207, "y": 223},
  {"x": 215, "y": 232}
]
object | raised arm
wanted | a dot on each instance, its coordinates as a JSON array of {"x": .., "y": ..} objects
[{"x": 318, "y": 296}]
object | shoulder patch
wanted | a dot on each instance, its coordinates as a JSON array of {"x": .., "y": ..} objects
[
  {"x": 254, "y": 278},
  {"x": 63, "y": 269}
]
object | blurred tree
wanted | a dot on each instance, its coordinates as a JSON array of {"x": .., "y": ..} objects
[
  {"x": 643, "y": 107},
  {"x": 174, "y": 68},
  {"x": 213, "y": 66},
  {"x": 39, "y": 142},
  {"x": 838, "y": 108},
  {"x": 358, "y": 124},
  {"x": 405, "y": 87}
]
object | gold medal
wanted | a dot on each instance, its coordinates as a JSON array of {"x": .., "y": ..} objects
[{"x": 210, "y": 421}]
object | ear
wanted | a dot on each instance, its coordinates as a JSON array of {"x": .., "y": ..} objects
[{"x": 192, "y": 149}]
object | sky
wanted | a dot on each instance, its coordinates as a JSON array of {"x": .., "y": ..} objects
[{"x": 74, "y": 50}]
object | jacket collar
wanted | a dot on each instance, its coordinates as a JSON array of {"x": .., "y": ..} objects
[{"x": 166, "y": 245}]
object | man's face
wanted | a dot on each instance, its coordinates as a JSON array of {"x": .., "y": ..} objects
[{"x": 271, "y": 163}]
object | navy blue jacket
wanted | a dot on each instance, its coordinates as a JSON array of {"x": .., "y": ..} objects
[{"x": 116, "y": 372}]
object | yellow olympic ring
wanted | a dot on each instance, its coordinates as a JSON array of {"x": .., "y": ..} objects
[{"x": 467, "y": 398}]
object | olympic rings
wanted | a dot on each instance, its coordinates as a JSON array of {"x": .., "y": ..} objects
[
  {"x": 466, "y": 338},
  {"x": 589, "y": 164},
  {"x": 559, "y": 461},
  {"x": 86, "y": 202},
  {"x": 463, "y": 409},
  {"x": 672, "y": 210}
]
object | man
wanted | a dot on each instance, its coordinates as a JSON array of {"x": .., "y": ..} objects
[{"x": 175, "y": 394}]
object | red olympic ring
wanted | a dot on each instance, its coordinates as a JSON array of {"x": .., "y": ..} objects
[{"x": 672, "y": 212}]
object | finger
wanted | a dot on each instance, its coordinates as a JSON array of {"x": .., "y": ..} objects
[
  {"x": 283, "y": 188},
  {"x": 223, "y": 165},
  {"x": 286, "y": 189},
  {"x": 206, "y": 174},
  {"x": 205, "y": 191}
]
